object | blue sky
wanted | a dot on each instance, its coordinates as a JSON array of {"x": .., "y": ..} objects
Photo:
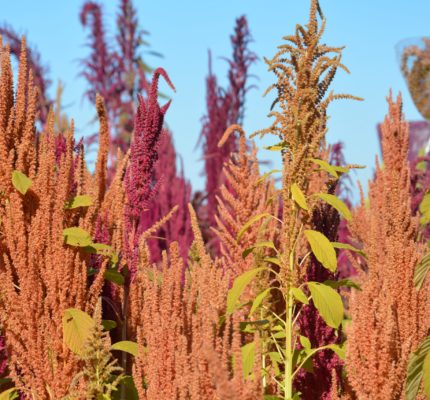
[{"x": 183, "y": 31}]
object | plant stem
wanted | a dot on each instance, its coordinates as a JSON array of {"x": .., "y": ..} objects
[{"x": 288, "y": 380}]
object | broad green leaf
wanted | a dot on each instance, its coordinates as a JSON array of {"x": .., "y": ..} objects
[
  {"x": 336, "y": 203},
  {"x": 21, "y": 182},
  {"x": 76, "y": 236},
  {"x": 248, "y": 357},
  {"x": 305, "y": 342},
  {"x": 276, "y": 147},
  {"x": 299, "y": 295},
  {"x": 339, "y": 350},
  {"x": 271, "y": 397},
  {"x": 103, "y": 250},
  {"x": 127, "y": 346},
  {"x": 108, "y": 324},
  {"x": 325, "y": 166},
  {"x": 328, "y": 303},
  {"x": 347, "y": 246},
  {"x": 298, "y": 196},
  {"x": 113, "y": 275},
  {"x": 415, "y": 369},
  {"x": 83, "y": 200},
  {"x": 77, "y": 327},
  {"x": 251, "y": 222},
  {"x": 130, "y": 389},
  {"x": 249, "y": 250},
  {"x": 273, "y": 260},
  {"x": 424, "y": 206},
  {"x": 322, "y": 248},
  {"x": 421, "y": 271},
  {"x": 239, "y": 285},
  {"x": 342, "y": 283},
  {"x": 426, "y": 375},
  {"x": 9, "y": 394},
  {"x": 258, "y": 300}
]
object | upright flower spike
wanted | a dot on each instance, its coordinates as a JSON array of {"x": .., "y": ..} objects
[
  {"x": 389, "y": 316},
  {"x": 224, "y": 108},
  {"x": 139, "y": 182}
]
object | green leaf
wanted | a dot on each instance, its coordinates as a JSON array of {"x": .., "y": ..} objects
[
  {"x": 273, "y": 260},
  {"x": 248, "y": 357},
  {"x": 325, "y": 166},
  {"x": 424, "y": 206},
  {"x": 77, "y": 327},
  {"x": 339, "y": 350},
  {"x": 276, "y": 147},
  {"x": 9, "y": 394},
  {"x": 250, "y": 222},
  {"x": 298, "y": 196},
  {"x": 342, "y": 283},
  {"x": 108, "y": 324},
  {"x": 239, "y": 285},
  {"x": 76, "y": 236},
  {"x": 305, "y": 342},
  {"x": 426, "y": 375},
  {"x": 328, "y": 303},
  {"x": 113, "y": 275},
  {"x": 347, "y": 246},
  {"x": 336, "y": 203},
  {"x": 271, "y": 397},
  {"x": 249, "y": 250},
  {"x": 299, "y": 295},
  {"x": 127, "y": 346},
  {"x": 103, "y": 250},
  {"x": 83, "y": 200},
  {"x": 322, "y": 248},
  {"x": 258, "y": 300},
  {"x": 264, "y": 176},
  {"x": 130, "y": 389},
  {"x": 421, "y": 271},
  {"x": 21, "y": 182},
  {"x": 415, "y": 369}
]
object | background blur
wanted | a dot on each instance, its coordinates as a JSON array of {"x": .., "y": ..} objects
[{"x": 183, "y": 31}]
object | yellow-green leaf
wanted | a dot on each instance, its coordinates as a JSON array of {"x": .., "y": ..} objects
[
  {"x": 298, "y": 196},
  {"x": 421, "y": 271},
  {"x": 325, "y": 166},
  {"x": 347, "y": 246},
  {"x": 21, "y": 182},
  {"x": 426, "y": 375},
  {"x": 415, "y": 369},
  {"x": 251, "y": 222},
  {"x": 299, "y": 295},
  {"x": 248, "y": 357},
  {"x": 127, "y": 346},
  {"x": 108, "y": 324},
  {"x": 77, "y": 327},
  {"x": 113, "y": 275},
  {"x": 239, "y": 285},
  {"x": 76, "y": 236},
  {"x": 328, "y": 303},
  {"x": 258, "y": 300},
  {"x": 305, "y": 342},
  {"x": 83, "y": 200},
  {"x": 323, "y": 250},
  {"x": 9, "y": 394},
  {"x": 249, "y": 250},
  {"x": 336, "y": 203}
]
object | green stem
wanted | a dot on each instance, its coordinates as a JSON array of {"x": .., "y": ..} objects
[{"x": 288, "y": 382}]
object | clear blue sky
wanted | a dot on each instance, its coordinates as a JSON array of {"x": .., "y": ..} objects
[{"x": 184, "y": 31}]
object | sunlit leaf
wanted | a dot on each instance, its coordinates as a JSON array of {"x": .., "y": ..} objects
[
  {"x": 77, "y": 327},
  {"x": 83, "y": 200},
  {"x": 21, "y": 182},
  {"x": 113, "y": 275},
  {"x": 305, "y": 342},
  {"x": 322, "y": 248},
  {"x": 336, "y": 203},
  {"x": 9, "y": 394},
  {"x": 339, "y": 350},
  {"x": 342, "y": 283},
  {"x": 76, "y": 236},
  {"x": 239, "y": 285},
  {"x": 415, "y": 369},
  {"x": 267, "y": 244},
  {"x": 347, "y": 246},
  {"x": 248, "y": 357},
  {"x": 298, "y": 196},
  {"x": 251, "y": 222},
  {"x": 421, "y": 271},
  {"x": 127, "y": 346},
  {"x": 328, "y": 303},
  {"x": 325, "y": 166},
  {"x": 258, "y": 300},
  {"x": 299, "y": 295},
  {"x": 426, "y": 375}
]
